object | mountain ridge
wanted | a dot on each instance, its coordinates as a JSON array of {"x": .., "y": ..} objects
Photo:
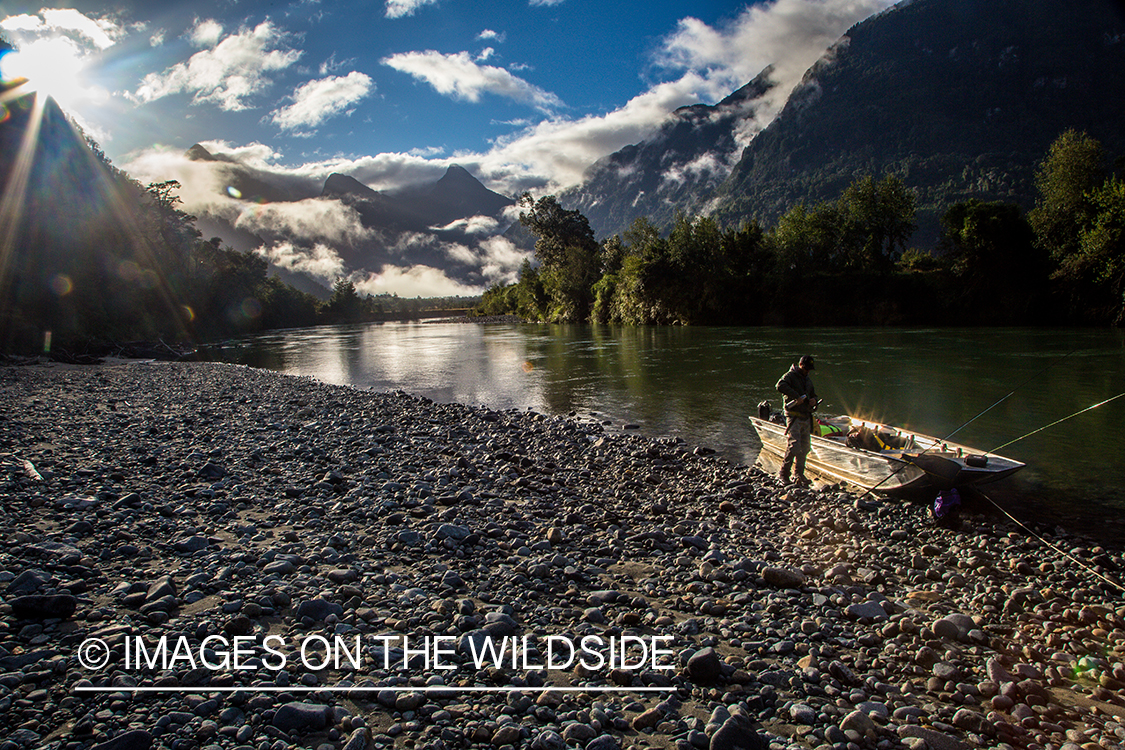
[
  {"x": 677, "y": 168},
  {"x": 961, "y": 98}
]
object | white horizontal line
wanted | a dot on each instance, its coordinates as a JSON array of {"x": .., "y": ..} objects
[{"x": 371, "y": 689}]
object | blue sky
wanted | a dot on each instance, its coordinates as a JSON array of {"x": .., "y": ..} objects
[{"x": 524, "y": 93}]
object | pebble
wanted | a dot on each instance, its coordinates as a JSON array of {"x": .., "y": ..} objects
[{"x": 237, "y": 502}]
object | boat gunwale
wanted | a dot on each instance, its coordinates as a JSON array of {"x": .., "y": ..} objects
[{"x": 896, "y": 464}]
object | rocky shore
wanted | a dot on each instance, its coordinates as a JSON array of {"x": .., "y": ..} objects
[{"x": 238, "y": 516}]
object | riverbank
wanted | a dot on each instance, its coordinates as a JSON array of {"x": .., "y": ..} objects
[{"x": 193, "y": 501}]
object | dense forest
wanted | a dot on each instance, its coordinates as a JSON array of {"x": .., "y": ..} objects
[{"x": 846, "y": 261}]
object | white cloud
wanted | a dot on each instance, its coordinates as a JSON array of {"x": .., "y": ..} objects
[
  {"x": 493, "y": 35},
  {"x": 22, "y": 22},
  {"x": 316, "y": 101},
  {"x": 312, "y": 219},
  {"x": 401, "y": 8},
  {"x": 414, "y": 281},
  {"x": 83, "y": 31},
  {"x": 227, "y": 74},
  {"x": 455, "y": 251},
  {"x": 157, "y": 38},
  {"x": 555, "y": 153},
  {"x": 202, "y": 190},
  {"x": 321, "y": 262},
  {"x": 501, "y": 260},
  {"x": 257, "y": 155},
  {"x": 472, "y": 225},
  {"x": 545, "y": 3},
  {"x": 459, "y": 76},
  {"x": 790, "y": 35},
  {"x": 102, "y": 32},
  {"x": 714, "y": 164},
  {"x": 207, "y": 33}
]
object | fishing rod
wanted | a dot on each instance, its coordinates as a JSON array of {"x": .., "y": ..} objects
[
  {"x": 1059, "y": 421},
  {"x": 965, "y": 424},
  {"x": 1087, "y": 568},
  {"x": 908, "y": 462},
  {"x": 1050, "y": 364}
]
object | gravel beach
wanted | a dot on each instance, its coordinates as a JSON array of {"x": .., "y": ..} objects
[{"x": 188, "y": 546}]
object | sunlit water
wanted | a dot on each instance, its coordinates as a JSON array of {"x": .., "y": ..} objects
[{"x": 701, "y": 384}]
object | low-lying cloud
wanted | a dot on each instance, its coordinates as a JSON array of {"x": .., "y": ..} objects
[
  {"x": 312, "y": 219},
  {"x": 320, "y": 262},
  {"x": 413, "y": 281},
  {"x": 472, "y": 225},
  {"x": 790, "y": 35}
]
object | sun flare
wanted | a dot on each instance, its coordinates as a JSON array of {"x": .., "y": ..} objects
[{"x": 51, "y": 66}]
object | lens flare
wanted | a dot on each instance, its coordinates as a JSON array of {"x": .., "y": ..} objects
[
  {"x": 61, "y": 284},
  {"x": 251, "y": 308}
]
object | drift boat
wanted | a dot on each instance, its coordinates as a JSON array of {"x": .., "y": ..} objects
[{"x": 884, "y": 457}]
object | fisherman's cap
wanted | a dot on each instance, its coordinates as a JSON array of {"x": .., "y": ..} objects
[{"x": 807, "y": 361}]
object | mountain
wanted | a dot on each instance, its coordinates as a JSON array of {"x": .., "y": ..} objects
[
  {"x": 433, "y": 206},
  {"x": 677, "y": 168},
  {"x": 253, "y": 185},
  {"x": 87, "y": 255},
  {"x": 348, "y": 228},
  {"x": 457, "y": 195},
  {"x": 960, "y": 98}
]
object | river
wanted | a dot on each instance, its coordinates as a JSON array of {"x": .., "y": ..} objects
[{"x": 700, "y": 384}]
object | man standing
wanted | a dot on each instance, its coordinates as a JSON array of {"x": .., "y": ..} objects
[{"x": 800, "y": 400}]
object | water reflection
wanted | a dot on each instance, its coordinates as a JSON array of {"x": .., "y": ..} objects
[{"x": 701, "y": 383}]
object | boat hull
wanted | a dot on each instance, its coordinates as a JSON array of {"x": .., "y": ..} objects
[{"x": 930, "y": 462}]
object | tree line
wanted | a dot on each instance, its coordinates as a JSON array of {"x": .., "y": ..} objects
[{"x": 846, "y": 261}]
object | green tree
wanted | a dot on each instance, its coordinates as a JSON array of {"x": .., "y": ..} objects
[
  {"x": 1101, "y": 248},
  {"x": 999, "y": 268},
  {"x": 345, "y": 303},
  {"x": 878, "y": 221},
  {"x": 1071, "y": 169},
  {"x": 989, "y": 240},
  {"x": 807, "y": 241},
  {"x": 568, "y": 256}
]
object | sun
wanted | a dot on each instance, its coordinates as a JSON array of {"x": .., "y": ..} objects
[{"x": 52, "y": 66}]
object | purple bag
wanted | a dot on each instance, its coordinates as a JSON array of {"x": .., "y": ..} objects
[{"x": 946, "y": 502}]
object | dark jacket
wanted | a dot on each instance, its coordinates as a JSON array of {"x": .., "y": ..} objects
[{"x": 793, "y": 385}]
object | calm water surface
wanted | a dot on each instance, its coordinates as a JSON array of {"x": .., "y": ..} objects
[{"x": 702, "y": 383}]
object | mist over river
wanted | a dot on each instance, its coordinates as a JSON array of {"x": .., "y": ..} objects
[{"x": 700, "y": 384}]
